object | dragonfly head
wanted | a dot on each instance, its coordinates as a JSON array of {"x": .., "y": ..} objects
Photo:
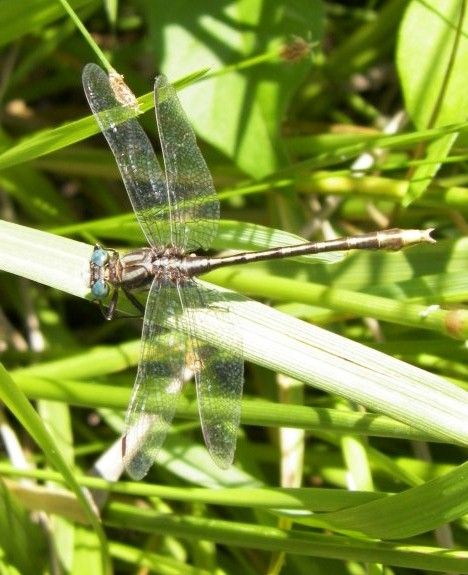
[{"x": 98, "y": 283}]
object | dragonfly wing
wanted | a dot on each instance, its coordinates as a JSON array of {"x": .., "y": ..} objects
[
  {"x": 218, "y": 373},
  {"x": 158, "y": 383},
  {"x": 140, "y": 170},
  {"x": 193, "y": 202}
]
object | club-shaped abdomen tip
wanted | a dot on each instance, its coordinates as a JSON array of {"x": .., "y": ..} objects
[
  {"x": 413, "y": 237},
  {"x": 428, "y": 236}
]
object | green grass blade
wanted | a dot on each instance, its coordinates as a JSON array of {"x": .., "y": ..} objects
[
  {"x": 19, "y": 405},
  {"x": 291, "y": 541},
  {"x": 272, "y": 339}
]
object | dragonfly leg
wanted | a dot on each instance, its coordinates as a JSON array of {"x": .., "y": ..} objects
[
  {"x": 109, "y": 311},
  {"x": 134, "y": 301}
]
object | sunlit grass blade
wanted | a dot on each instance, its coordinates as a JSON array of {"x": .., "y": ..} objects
[
  {"x": 19, "y": 405},
  {"x": 292, "y": 541},
  {"x": 47, "y": 141},
  {"x": 281, "y": 343}
]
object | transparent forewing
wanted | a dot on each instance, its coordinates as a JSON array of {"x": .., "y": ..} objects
[
  {"x": 193, "y": 202},
  {"x": 218, "y": 371},
  {"x": 158, "y": 383},
  {"x": 133, "y": 152}
]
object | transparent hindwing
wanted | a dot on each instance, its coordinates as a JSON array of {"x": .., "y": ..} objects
[
  {"x": 165, "y": 354},
  {"x": 218, "y": 368},
  {"x": 158, "y": 382}
]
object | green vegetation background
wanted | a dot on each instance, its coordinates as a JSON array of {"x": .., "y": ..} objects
[{"x": 296, "y": 106}]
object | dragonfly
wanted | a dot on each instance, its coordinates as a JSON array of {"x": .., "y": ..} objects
[{"x": 178, "y": 211}]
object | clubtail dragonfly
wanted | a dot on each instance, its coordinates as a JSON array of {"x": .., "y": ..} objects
[{"x": 178, "y": 211}]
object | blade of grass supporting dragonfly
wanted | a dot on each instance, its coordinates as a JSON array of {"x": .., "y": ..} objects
[{"x": 273, "y": 339}]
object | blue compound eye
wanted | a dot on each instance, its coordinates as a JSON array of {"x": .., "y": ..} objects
[
  {"x": 100, "y": 289},
  {"x": 99, "y": 257}
]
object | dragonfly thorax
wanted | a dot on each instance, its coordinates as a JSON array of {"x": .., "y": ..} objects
[{"x": 139, "y": 267}]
